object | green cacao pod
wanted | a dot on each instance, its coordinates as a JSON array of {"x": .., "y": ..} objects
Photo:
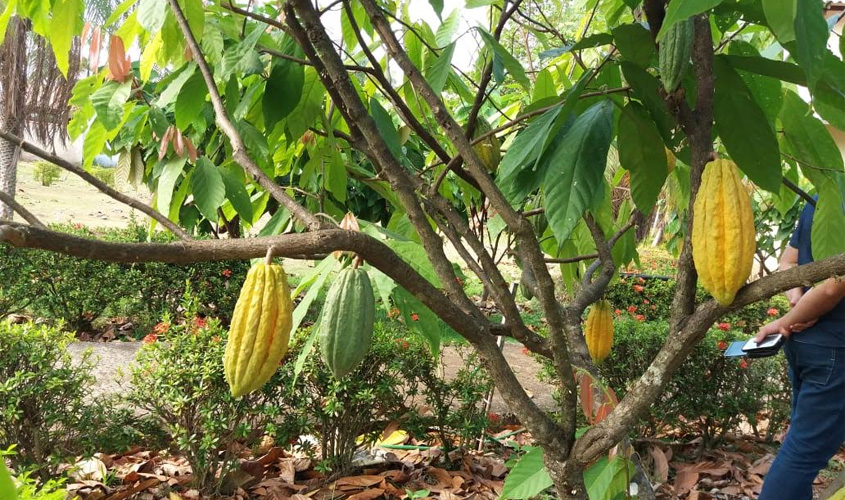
[
  {"x": 260, "y": 330},
  {"x": 723, "y": 236},
  {"x": 346, "y": 328},
  {"x": 598, "y": 332},
  {"x": 488, "y": 150},
  {"x": 674, "y": 53}
]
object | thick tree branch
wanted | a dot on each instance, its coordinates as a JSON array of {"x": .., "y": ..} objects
[
  {"x": 681, "y": 342},
  {"x": 224, "y": 122},
  {"x": 97, "y": 183},
  {"x": 296, "y": 245},
  {"x": 23, "y": 212}
]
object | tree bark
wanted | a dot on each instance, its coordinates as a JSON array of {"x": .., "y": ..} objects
[{"x": 13, "y": 98}]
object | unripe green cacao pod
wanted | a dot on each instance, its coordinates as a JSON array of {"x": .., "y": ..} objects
[
  {"x": 723, "y": 235},
  {"x": 598, "y": 332},
  {"x": 346, "y": 328},
  {"x": 674, "y": 53},
  {"x": 260, "y": 329},
  {"x": 488, "y": 150}
]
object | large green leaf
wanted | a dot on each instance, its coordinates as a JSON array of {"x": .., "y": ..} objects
[
  {"x": 386, "y": 128},
  {"x": 108, "y": 100},
  {"x": 310, "y": 104},
  {"x": 277, "y": 223},
  {"x": 679, "y": 10},
  {"x": 284, "y": 87},
  {"x": 828, "y": 220},
  {"x": 67, "y": 18},
  {"x": 506, "y": 59},
  {"x": 607, "y": 478},
  {"x": 167, "y": 180},
  {"x": 439, "y": 71},
  {"x": 9, "y": 10},
  {"x": 335, "y": 177},
  {"x": 811, "y": 35},
  {"x": 544, "y": 86},
  {"x": 576, "y": 169},
  {"x": 521, "y": 157},
  {"x": 233, "y": 180},
  {"x": 781, "y": 70},
  {"x": 195, "y": 14},
  {"x": 829, "y": 91},
  {"x": 447, "y": 29},
  {"x": 780, "y": 14},
  {"x": 766, "y": 90},
  {"x": 239, "y": 59},
  {"x": 744, "y": 129},
  {"x": 208, "y": 188},
  {"x": 809, "y": 140},
  {"x": 528, "y": 478},
  {"x": 151, "y": 14},
  {"x": 190, "y": 102},
  {"x": 314, "y": 282},
  {"x": 641, "y": 151},
  {"x": 646, "y": 88},
  {"x": 95, "y": 141},
  {"x": 7, "y": 487},
  {"x": 634, "y": 43},
  {"x": 174, "y": 88}
]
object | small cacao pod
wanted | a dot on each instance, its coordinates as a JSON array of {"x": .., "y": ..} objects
[
  {"x": 598, "y": 332},
  {"x": 723, "y": 236},
  {"x": 346, "y": 328},
  {"x": 260, "y": 330},
  {"x": 674, "y": 53},
  {"x": 489, "y": 149}
]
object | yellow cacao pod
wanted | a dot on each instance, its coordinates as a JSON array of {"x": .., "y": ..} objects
[
  {"x": 723, "y": 237},
  {"x": 260, "y": 330},
  {"x": 598, "y": 331}
]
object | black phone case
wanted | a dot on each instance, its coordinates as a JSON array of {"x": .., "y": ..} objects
[{"x": 766, "y": 351}]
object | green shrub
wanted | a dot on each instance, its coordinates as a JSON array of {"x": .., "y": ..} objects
[
  {"x": 709, "y": 394},
  {"x": 46, "y": 173},
  {"x": 44, "y": 399},
  {"x": 178, "y": 378},
  {"x": 105, "y": 175},
  {"x": 16, "y": 290}
]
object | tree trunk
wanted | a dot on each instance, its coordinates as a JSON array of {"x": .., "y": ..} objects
[{"x": 13, "y": 93}]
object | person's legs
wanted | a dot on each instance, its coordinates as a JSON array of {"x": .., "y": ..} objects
[{"x": 817, "y": 428}]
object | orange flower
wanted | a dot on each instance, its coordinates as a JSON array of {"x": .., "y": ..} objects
[
  {"x": 724, "y": 326},
  {"x": 638, "y": 288},
  {"x": 639, "y": 317},
  {"x": 415, "y": 317},
  {"x": 494, "y": 417},
  {"x": 149, "y": 339},
  {"x": 618, "y": 312},
  {"x": 227, "y": 273},
  {"x": 722, "y": 345},
  {"x": 646, "y": 301},
  {"x": 200, "y": 322},
  {"x": 743, "y": 364},
  {"x": 162, "y": 327},
  {"x": 525, "y": 351},
  {"x": 632, "y": 309},
  {"x": 773, "y": 311}
]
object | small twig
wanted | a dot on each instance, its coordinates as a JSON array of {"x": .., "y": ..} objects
[
  {"x": 17, "y": 207},
  {"x": 797, "y": 190}
]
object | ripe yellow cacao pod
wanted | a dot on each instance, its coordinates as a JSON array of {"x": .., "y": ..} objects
[
  {"x": 723, "y": 237},
  {"x": 598, "y": 331},
  {"x": 260, "y": 330}
]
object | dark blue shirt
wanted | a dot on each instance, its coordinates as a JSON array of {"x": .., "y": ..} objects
[{"x": 829, "y": 331}]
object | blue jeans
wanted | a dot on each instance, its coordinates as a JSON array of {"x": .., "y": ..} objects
[{"x": 817, "y": 427}]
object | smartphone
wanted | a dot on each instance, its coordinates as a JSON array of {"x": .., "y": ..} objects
[{"x": 767, "y": 343}]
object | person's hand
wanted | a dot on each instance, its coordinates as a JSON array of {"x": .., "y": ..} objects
[
  {"x": 772, "y": 328},
  {"x": 800, "y": 327},
  {"x": 793, "y": 295}
]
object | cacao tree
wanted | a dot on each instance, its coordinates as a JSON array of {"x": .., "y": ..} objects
[{"x": 306, "y": 111}]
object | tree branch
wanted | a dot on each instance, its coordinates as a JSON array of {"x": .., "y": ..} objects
[
  {"x": 97, "y": 183},
  {"x": 239, "y": 152},
  {"x": 17, "y": 207}
]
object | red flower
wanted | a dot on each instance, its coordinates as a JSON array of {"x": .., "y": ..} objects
[
  {"x": 722, "y": 345},
  {"x": 743, "y": 364},
  {"x": 460, "y": 281},
  {"x": 653, "y": 307},
  {"x": 641, "y": 280},
  {"x": 200, "y": 322},
  {"x": 525, "y": 351},
  {"x": 639, "y": 317},
  {"x": 638, "y": 288},
  {"x": 393, "y": 313},
  {"x": 77, "y": 225},
  {"x": 405, "y": 344},
  {"x": 494, "y": 417},
  {"x": 415, "y": 317},
  {"x": 618, "y": 312},
  {"x": 149, "y": 339},
  {"x": 646, "y": 301},
  {"x": 227, "y": 273},
  {"x": 773, "y": 311},
  {"x": 632, "y": 309},
  {"x": 724, "y": 326},
  {"x": 162, "y": 327}
]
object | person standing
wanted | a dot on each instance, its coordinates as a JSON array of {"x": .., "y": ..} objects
[{"x": 814, "y": 328}]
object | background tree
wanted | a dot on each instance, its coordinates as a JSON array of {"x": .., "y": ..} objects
[{"x": 260, "y": 110}]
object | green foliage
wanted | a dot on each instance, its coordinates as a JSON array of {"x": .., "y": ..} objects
[
  {"x": 178, "y": 378},
  {"x": 105, "y": 175},
  {"x": 27, "y": 487},
  {"x": 46, "y": 173},
  {"x": 709, "y": 395},
  {"x": 45, "y": 401}
]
